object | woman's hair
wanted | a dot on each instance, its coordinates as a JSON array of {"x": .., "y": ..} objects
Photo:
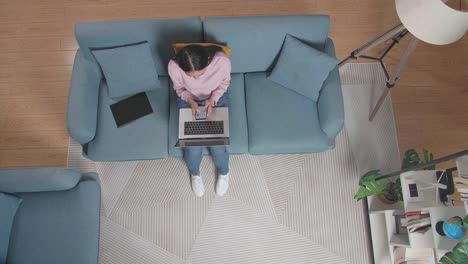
[{"x": 195, "y": 57}]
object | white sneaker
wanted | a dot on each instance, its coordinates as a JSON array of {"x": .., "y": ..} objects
[
  {"x": 197, "y": 186},
  {"x": 222, "y": 184}
]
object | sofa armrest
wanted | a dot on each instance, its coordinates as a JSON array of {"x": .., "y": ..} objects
[
  {"x": 83, "y": 99},
  {"x": 330, "y": 102},
  {"x": 38, "y": 179}
]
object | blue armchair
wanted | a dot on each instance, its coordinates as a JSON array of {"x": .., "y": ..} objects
[{"x": 57, "y": 220}]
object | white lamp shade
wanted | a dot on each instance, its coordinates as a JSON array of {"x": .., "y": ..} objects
[{"x": 432, "y": 21}]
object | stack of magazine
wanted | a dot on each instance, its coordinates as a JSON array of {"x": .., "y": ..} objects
[
  {"x": 417, "y": 222},
  {"x": 461, "y": 184}
]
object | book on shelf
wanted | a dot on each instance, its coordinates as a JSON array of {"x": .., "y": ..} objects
[
  {"x": 413, "y": 219},
  {"x": 416, "y": 213},
  {"x": 461, "y": 188},
  {"x": 460, "y": 180},
  {"x": 464, "y": 198},
  {"x": 420, "y": 227},
  {"x": 417, "y": 221}
]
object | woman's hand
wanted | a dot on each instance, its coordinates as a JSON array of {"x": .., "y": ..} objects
[
  {"x": 209, "y": 104},
  {"x": 194, "y": 106}
]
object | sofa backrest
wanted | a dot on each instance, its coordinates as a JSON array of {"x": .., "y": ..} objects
[
  {"x": 256, "y": 41},
  {"x": 160, "y": 34}
]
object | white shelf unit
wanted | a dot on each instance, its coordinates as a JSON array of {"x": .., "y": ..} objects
[
  {"x": 383, "y": 226},
  {"x": 394, "y": 239},
  {"x": 382, "y": 249}
]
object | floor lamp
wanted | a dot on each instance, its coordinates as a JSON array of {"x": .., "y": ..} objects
[{"x": 431, "y": 21}]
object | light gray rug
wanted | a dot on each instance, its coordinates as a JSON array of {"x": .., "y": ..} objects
[{"x": 279, "y": 208}]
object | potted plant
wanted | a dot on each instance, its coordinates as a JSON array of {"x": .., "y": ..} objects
[
  {"x": 386, "y": 190},
  {"x": 459, "y": 254},
  {"x": 389, "y": 191}
]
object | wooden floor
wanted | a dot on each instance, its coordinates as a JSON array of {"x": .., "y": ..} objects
[{"x": 37, "y": 49}]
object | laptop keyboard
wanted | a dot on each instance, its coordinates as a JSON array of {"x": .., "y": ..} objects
[{"x": 203, "y": 128}]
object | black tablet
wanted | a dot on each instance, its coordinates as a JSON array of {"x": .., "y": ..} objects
[{"x": 131, "y": 108}]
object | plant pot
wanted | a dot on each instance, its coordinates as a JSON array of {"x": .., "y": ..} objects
[{"x": 388, "y": 198}]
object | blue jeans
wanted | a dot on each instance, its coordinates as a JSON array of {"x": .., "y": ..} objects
[{"x": 193, "y": 155}]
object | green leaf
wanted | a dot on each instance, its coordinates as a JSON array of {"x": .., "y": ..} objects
[
  {"x": 460, "y": 252},
  {"x": 370, "y": 186},
  {"x": 411, "y": 158},
  {"x": 376, "y": 187},
  {"x": 433, "y": 167},
  {"x": 370, "y": 176},
  {"x": 396, "y": 189},
  {"x": 362, "y": 192},
  {"x": 426, "y": 155},
  {"x": 459, "y": 255},
  {"x": 447, "y": 259}
]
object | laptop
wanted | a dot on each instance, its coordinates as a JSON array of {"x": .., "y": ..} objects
[{"x": 203, "y": 130}]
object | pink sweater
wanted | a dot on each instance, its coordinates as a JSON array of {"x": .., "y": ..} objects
[{"x": 213, "y": 83}]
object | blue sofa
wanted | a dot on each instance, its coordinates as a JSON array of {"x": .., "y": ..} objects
[
  {"x": 57, "y": 220},
  {"x": 257, "y": 127}
]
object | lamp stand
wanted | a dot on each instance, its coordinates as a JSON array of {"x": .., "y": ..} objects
[{"x": 395, "y": 34}]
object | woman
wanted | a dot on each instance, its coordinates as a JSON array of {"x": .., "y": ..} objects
[{"x": 201, "y": 76}]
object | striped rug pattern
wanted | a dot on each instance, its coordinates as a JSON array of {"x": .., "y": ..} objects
[{"x": 295, "y": 208}]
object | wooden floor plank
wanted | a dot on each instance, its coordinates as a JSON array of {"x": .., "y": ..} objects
[
  {"x": 33, "y": 140},
  {"x": 49, "y": 3},
  {"x": 35, "y": 74},
  {"x": 68, "y": 43},
  {"x": 22, "y": 158},
  {"x": 33, "y": 122},
  {"x": 34, "y": 89},
  {"x": 29, "y": 44},
  {"x": 21, "y": 14},
  {"x": 168, "y": 10},
  {"x": 49, "y": 29},
  {"x": 36, "y": 58},
  {"x": 107, "y": 12},
  {"x": 27, "y": 105}
]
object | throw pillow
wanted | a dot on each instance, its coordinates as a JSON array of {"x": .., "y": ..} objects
[
  {"x": 128, "y": 69},
  {"x": 178, "y": 46},
  {"x": 302, "y": 68},
  {"x": 8, "y": 206}
]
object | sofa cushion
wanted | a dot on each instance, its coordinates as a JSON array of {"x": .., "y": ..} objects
[
  {"x": 256, "y": 41},
  {"x": 280, "y": 120},
  {"x": 160, "y": 34},
  {"x": 145, "y": 138},
  {"x": 57, "y": 227},
  {"x": 237, "y": 119},
  {"x": 8, "y": 206},
  {"x": 128, "y": 69},
  {"x": 302, "y": 68}
]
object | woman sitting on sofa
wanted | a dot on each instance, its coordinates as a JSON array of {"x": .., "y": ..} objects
[{"x": 201, "y": 76}]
